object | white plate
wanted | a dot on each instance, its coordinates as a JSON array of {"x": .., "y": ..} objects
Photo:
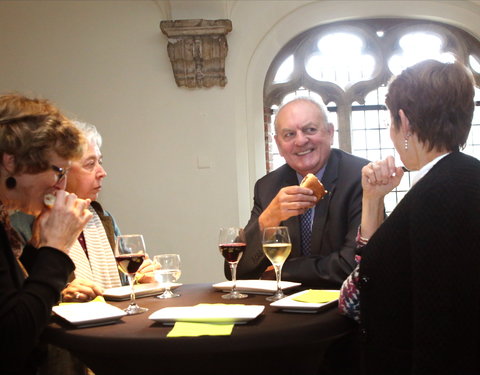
[
  {"x": 122, "y": 293},
  {"x": 89, "y": 314},
  {"x": 288, "y": 304},
  {"x": 208, "y": 313},
  {"x": 255, "y": 286}
]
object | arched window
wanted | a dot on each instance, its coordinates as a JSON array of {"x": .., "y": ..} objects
[{"x": 348, "y": 65}]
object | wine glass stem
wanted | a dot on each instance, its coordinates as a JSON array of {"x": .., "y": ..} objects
[
  {"x": 131, "y": 280},
  {"x": 278, "y": 274},
  {"x": 233, "y": 269}
]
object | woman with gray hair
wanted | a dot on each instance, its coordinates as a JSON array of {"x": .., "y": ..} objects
[{"x": 92, "y": 253}]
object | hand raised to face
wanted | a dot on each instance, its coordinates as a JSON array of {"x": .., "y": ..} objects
[
  {"x": 380, "y": 177},
  {"x": 60, "y": 225}
]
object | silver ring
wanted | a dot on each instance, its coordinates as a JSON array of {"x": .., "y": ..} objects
[{"x": 77, "y": 295}]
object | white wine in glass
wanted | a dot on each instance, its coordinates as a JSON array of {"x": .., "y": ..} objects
[
  {"x": 277, "y": 247},
  {"x": 129, "y": 254}
]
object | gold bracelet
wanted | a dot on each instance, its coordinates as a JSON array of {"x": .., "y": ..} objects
[{"x": 363, "y": 240}]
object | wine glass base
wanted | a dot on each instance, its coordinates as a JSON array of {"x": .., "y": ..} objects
[
  {"x": 135, "y": 309},
  {"x": 234, "y": 295},
  {"x": 166, "y": 295},
  {"x": 276, "y": 297}
]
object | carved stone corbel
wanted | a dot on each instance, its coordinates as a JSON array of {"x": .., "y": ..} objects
[{"x": 197, "y": 51}]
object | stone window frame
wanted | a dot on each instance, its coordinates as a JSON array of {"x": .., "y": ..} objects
[{"x": 456, "y": 40}]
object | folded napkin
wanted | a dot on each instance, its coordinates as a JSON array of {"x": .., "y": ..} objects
[
  {"x": 187, "y": 329},
  {"x": 96, "y": 299},
  {"x": 195, "y": 329},
  {"x": 318, "y": 296}
]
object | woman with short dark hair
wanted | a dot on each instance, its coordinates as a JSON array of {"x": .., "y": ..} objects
[{"x": 416, "y": 290}]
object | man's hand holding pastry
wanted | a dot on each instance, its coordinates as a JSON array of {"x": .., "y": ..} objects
[{"x": 290, "y": 201}]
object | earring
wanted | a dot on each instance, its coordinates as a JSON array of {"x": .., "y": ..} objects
[
  {"x": 10, "y": 182},
  {"x": 406, "y": 144}
]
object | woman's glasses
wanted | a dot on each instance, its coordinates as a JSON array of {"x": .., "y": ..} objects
[{"x": 60, "y": 172}]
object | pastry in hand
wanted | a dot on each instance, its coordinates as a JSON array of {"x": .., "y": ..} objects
[{"x": 313, "y": 183}]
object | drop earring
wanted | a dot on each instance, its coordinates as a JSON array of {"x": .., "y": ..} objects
[
  {"x": 406, "y": 141},
  {"x": 10, "y": 182}
]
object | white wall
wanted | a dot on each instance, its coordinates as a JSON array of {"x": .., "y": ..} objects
[{"x": 106, "y": 62}]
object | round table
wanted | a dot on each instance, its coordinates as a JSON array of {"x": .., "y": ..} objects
[{"x": 275, "y": 342}]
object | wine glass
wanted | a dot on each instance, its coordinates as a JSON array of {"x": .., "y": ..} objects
[
  {"x": 168, "y": 272},
  {"x": 231, "y": 243},
  {"x": 129, "y": 254},
  {"x": 276, "y": 246}
]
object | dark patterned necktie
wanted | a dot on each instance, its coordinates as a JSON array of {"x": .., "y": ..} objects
[{"x": 306, "y": 232}]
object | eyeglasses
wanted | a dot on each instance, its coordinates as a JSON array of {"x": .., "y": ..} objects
[{"x": 60, "y": 172}]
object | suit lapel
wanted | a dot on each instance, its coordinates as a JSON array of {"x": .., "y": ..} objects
[
  {"x": 329, "y": 180},
  {"x": 293, "y": 223}
]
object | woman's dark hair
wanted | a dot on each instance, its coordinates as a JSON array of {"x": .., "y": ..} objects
[
  {"x": 30, "y": 129},
  {"x": 437, "y": 99}
]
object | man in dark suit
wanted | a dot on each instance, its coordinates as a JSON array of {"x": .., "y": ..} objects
[{"x": 304, "y": 138}]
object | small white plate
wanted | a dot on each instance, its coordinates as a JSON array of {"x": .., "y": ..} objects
[
  {"x": 208, "y": 313},
  {"x": 255, "y": 286},
  {"x": 290, "y": 305},
  {"x": 89, "y": 314},
  {"x": 122, "y": 293}
]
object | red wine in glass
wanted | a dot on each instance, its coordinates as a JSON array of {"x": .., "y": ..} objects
[
  {"x": 129, "y": 263},
  {"x": 231, "y": 243},
  {"x": 129, "y": 253},
  {"x": 232, "y": 252}
]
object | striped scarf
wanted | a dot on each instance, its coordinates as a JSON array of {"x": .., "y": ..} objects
[{"x": 100, "y": 266}]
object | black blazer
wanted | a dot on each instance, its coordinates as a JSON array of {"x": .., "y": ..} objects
[
  {"x": 420, "y": 277},
  {"x": 335, "y": 224},
  {"x": 25, "y": 304}
]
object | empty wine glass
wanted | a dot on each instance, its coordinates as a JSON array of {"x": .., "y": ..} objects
[
  {"x": 276, "y": 246},
  {"x": 129, "y": 254},
  {"x": 167, "y": 272},
  {"x": 231, "y": 243}
]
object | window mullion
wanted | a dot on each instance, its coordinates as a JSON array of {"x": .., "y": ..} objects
[{"x": 344, "y": 111}]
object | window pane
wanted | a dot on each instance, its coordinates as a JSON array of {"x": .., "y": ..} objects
[
  {"x": 472, "y": 146},
  {"x": 285, "y": 70},
  {"x": 417, "y": 47},
  {"x": 371, "y": 138},
  {"x": 474, "y": 64},
  {"x": 342, "y": 66}
]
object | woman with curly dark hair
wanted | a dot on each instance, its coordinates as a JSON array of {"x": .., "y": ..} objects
[{"x": 37, "y": 145}]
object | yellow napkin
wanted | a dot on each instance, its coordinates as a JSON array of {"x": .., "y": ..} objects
[
  {"x": 318, "y": 296},
  {"x": 187, "y": 329},
  {"x": 96, "y": 299},
  {"x": 195, "y": 329}
]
